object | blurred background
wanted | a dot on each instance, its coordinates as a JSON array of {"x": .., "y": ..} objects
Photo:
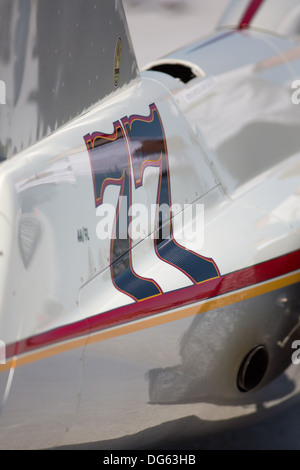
[{"x": 159, "y": 27}]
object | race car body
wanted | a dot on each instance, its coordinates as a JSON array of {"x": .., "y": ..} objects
[{"x": 149, "y": 227}]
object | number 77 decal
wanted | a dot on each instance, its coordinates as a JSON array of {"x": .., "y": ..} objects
[{"x": 121, "y": 159}]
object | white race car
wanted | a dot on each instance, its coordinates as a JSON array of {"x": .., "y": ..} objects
[{"x": 149, "y": 225}]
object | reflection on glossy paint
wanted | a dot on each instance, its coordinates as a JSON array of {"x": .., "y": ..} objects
[{"x": 213, "y": 348}]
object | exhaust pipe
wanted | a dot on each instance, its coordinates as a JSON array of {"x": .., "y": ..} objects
[{"x": 253, "y": 369}]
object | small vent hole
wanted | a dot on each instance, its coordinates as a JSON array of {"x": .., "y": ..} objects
[{"x": 180, "y": 71}]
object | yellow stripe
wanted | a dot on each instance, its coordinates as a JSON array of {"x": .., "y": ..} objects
[
  {"x": 204, "y": 306},
  {"x": 160, "y": 319}
]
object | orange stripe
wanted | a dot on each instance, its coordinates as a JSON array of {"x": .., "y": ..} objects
[{"x": 160, "y": 319}]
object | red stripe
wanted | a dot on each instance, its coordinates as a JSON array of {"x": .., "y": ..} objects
[
  {"x": 207, "y": 290},
  {"x": 250, "y": 13}
]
